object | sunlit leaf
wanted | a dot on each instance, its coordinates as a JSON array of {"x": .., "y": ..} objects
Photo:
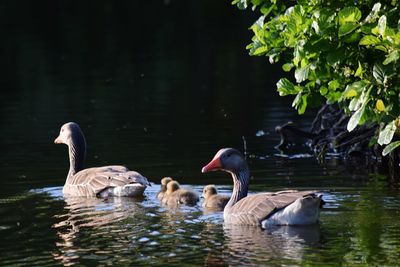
[
  {"x": 287, "y": 67},
  {"x": 285, "y": 87},
  {"x": 391, "y": 57},
  {"x": 380, "y": 105},
  {"x": 359, "y": 70},
  {"x": 349, "y": 14},
  {"x": 260, "y": 51},
  {"x": 351, "y": 93},
  {"x": 300, "y": 103},
  {"x": 354, "y": 89},
  {"x": 378, "y": 73},
  {"x": 301, "y": 74},
  {"x": 373, "y": 15},
  {"x": 390, "y": 147},
  {"x": 369, "y": 40},
  {"x": 333, "y": 85},
  {"x": 241, "y": 4},
  {"x": 347, "y": 28},
  {"x": 323, "y": 90},
  {"x": 382, "y": 25},
  {"x": 386, "y": 135},
  {"x": 355, "y": 119}
]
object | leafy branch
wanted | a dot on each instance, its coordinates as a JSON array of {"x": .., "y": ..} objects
[{"x": 339, "y": 51}]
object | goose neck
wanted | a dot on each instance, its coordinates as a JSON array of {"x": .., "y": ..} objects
[
  {"x": 77, "y": 154},
  {"x": 240, "y": 187}
]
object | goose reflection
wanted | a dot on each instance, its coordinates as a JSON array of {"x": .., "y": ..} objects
[
  {"x": 280, "y": 242},
  {"x": 86, "y": 213}
]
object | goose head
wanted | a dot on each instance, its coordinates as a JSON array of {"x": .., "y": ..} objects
[
  {"x": 172, "y": 187},
  {"x": 70, "y": 133},
  {"x": 226, "y": 159},
  {"x": 165, "y": 181},
  {"x": 209, "y": 190}
]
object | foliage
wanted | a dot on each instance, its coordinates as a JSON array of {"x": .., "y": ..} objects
[{"x": 340, "y": 51}]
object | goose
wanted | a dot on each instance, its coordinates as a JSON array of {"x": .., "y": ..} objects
[
  {"x": 164, "y": 182},
  {"x": 107, "y": 181},
  {"x": 289, "y": 207},
  {"x": 174, "y": 195},
  {"x": 212, "y": 200}
]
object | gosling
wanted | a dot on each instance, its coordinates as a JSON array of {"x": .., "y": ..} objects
[
  {"x": 175, "y": 196},
  {"x": 212, "y": 200},
  {"x": 164, "y": 182}
]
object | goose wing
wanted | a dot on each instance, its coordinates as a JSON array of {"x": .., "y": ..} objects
[
  {"x": 255, "y": 208},
  {"x": 90, "y": 182}
]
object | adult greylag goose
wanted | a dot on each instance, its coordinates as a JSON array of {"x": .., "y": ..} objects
[
  {"x": 211, "y": 198},
  {"x": 175, "y": 195},
  {"x": 281, "y": 208},
  {"x": 164, "y": 182},
  {"x": 114, "y": 180}
]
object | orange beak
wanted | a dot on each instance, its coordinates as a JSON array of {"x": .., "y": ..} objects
[{"x": 214, "y": 165}]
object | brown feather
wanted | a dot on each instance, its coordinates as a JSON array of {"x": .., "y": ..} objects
[
  {"x": 255, "y": 208},
  {"x": 90, "y": 182}
]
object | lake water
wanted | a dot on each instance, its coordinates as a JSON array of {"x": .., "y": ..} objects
[{"x": 160, "y": 87}]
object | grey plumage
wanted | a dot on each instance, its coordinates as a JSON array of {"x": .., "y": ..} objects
[
  {"x": 284, "y": 207},
  {"x": 114, "y": 180}
]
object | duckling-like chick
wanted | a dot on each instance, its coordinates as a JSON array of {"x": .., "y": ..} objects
[
  {"x": 212, "y": 200},
  {"x": 176, "y": 196},
  {"x": 164, "y": 182}
]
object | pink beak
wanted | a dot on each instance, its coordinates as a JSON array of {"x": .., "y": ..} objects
[
  {"x": 58, "y": 141},
  {"x": 215, "y": 164}
]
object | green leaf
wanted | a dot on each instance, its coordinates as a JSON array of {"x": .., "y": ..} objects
[
  {"x": 381, "y": 48},
  {"x": 359, "y": 70},
  {"x": 369, "y": 40},
  {"x": 352, "y": 38},
  {"x": 302, "y": 105},
  {"x": 323, "y": 90},
  {"x": 287, "y": 67},
  {"x": 300, "y": 102},
  {"x": 333, "y": 85},
  {"x": 285, "y": 87},
  {"x": 301, "y": 74},
  {"x": 355, "y": 119},
  {"x": 382, "y": 25},
  {"x": 373, "y": 15},
  {"x": 259, "y": 51},
  {"x": 361, "y": 100},
  {"x": 391, "y": 57},
  {"x": 349, "y": 14},
  {"x": 390, "y": 147},
  {"x": 347, "y": 28},
  {"x": 386, "y": 135},
  {"x": 354, "y": 89},
  {"x": 241, "y": 4},
  {"x": 379, "y": 74},
  {"x": 265, "y": 10}
]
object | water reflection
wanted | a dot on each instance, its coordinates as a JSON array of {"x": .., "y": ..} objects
[
  {"x": 82, "y": 214},
  {"x": 252, "y": 246}
]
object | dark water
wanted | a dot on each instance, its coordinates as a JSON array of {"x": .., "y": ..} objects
[{"x": 160, "y": 86}]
